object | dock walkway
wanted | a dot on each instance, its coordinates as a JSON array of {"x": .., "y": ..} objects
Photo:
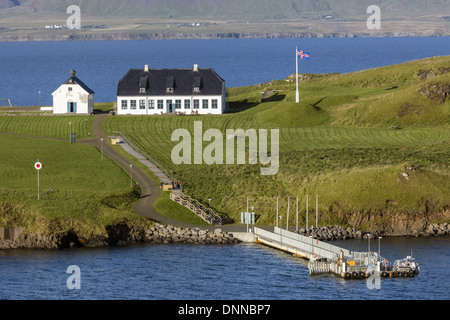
[{"x": 323, "y": 257}]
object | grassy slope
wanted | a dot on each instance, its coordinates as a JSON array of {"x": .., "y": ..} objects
[
  {"x": 167, "y": 207},
  {"x": 336, "y": 142},
  {"x": 164, "y": 205},
  {"x": 85, "y": 205},
  {"x": 47, "y": 126}
]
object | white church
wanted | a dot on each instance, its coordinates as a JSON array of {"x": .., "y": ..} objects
[{"x": 73, "y": 97}]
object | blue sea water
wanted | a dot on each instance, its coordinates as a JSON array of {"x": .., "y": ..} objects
[
  {"x": 215, "y": 272},
  {"x": 27, "y": 68}
]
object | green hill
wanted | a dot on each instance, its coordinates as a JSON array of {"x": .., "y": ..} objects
[
  {"x": 362, "y": 142},
  {"x": 411, "y": 94}
]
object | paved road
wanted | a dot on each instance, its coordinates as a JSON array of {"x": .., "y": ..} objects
[{"x": 149, "y": 190}]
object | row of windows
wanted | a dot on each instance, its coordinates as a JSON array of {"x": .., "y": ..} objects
[{"x": 170, "y": 104}]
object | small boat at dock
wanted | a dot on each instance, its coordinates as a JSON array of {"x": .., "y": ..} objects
[{"x": 406, "y": 265}]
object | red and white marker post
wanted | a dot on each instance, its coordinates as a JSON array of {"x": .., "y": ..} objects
[{"x": 38, "y": 167}]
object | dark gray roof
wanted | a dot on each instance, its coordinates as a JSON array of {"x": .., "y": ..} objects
[
  {"x": 181, "y": 80},
  {"x": 74, "y": 80}
]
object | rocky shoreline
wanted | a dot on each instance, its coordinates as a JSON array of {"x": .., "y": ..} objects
[
  {"x": 120, "y": 234},
  {"x": 331, "y": 233},
  {"x": 123, "y": 234},
  {"x": 219, "y": 35}
]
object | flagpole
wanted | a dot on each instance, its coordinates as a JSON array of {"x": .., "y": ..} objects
[{"x": 296, "y": 75}]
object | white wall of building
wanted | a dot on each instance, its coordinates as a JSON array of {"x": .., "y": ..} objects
[
  {"x": 70, "y": 98},
  {"x": 141, "y": 105}
]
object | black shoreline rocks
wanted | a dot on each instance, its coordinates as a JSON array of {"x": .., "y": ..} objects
[
  {"x": 121, "y": 234},
  {"x": 170, "y": 234},
  {"x": 218, "y": 35},
  {"x": 331, "y": 233},
  {"x": 434, "y": 230}
]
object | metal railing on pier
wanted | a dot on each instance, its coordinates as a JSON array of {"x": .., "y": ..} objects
[{"x": 317, "y": 249}]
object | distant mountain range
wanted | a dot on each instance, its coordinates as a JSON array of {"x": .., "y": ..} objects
[
  {"x": 253, "y": 10},
  {"x": 25, "y": 20}
]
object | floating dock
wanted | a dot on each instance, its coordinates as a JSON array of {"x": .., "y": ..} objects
[{"x": 327, "y": 258}]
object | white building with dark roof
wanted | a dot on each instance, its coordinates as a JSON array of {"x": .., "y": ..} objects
[
  {"x": 73, "y": 96},
  {"x": 160, "y": 91}
]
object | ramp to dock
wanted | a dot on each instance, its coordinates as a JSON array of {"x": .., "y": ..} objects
[
  {"x": 323, "y": 257},
  {"x": 304, "y": 246}
]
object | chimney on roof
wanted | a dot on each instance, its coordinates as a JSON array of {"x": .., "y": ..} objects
[
  {"x": 195, "y": 67},
  {"x": 146, "y": 68}
]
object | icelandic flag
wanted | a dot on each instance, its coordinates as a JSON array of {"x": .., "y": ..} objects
[{"x": 303, "y": 54}]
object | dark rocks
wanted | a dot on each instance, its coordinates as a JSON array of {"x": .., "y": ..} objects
[
  {"x": 39, "y": 241},
  {"x": 429, "y": 74},
  {"x": 409, "y": 109},
  {"x": 120, "y": 234},
  {"x": 331, "y": 233},
  {"x": 434, "y": 230},
  {"x": 170, "y": 234},
  {"x": 438, "y": 92}
]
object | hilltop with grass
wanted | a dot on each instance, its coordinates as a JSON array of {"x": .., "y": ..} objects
[{"x": 373, "y": 145}]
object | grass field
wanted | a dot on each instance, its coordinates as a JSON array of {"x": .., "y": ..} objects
[
  {"x": 167, "y": 207},
  {"x": 349, "y": 140},
  {"x": 155, "y": 131},
  {"x": 47, "y": 126},
  {"x": 326, "y": 160},
  {"x": 75, "y": 202},
  {"x": 80, "y": 157}
]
